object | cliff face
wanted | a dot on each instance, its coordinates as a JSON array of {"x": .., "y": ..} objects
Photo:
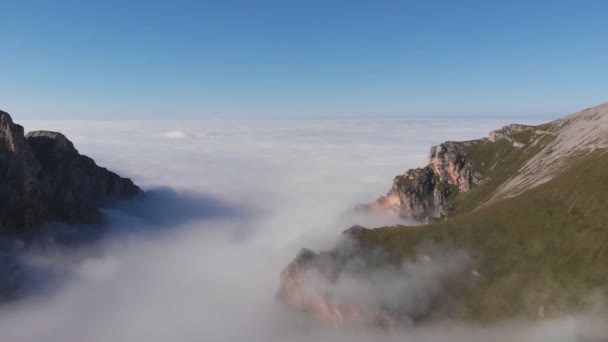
[
  {"x": 449, "y": 163},
  {"x": 45, "y": 179},
  {"x": 423, "y": 194},
  {"x": 417, "y": 195}
]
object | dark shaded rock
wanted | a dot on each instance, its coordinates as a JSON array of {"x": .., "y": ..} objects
[
  {"x": 11, "y": 273},
  {"x": 44, "y": 179}
]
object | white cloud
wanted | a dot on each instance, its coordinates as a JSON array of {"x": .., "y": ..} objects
[
  {"x": 175, "y": 271},
  {"x": 177, "y": 135}
]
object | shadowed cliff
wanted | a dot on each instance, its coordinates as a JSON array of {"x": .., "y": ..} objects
[{"x": 45, "y": 179}]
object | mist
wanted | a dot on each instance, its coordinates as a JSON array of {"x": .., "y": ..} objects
[{"x": 230, "y": 205}]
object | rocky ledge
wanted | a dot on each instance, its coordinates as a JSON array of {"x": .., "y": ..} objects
[
  {"x": 45, "y": 179},
  {"x": 422, "y": 194}
]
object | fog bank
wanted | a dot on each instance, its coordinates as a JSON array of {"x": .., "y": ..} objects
[{"x": 234, "y": 202}]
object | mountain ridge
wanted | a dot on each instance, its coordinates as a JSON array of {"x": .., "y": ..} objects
[{"x": 536, "y": 246}]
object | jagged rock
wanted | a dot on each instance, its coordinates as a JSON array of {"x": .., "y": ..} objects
[
  {"x": 507, "y": 132},
  {"x": 416, "y": 195},
  {"x": 421, "y": 194},
  {"x": 44, "y": 179},
  {"x": 448, "y": 161}
]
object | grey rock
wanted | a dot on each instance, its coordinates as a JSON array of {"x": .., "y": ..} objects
[
  {"x": 44, "y": 179},
  {"x": 417, "y": 195},
  {"x": 507, "y": 132}
]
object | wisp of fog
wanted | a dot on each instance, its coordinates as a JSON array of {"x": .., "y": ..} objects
[{"x": 230, "y": 205}]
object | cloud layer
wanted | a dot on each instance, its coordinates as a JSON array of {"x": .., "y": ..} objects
[{"x": 200, "y": 259}]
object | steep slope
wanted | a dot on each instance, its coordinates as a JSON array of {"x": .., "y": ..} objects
[
  {"x": 462, "y": 176},
  {"x": 579, "y": 133},
  {"x": 535, "y": 225},
  {"x": 43, "y": 179}
]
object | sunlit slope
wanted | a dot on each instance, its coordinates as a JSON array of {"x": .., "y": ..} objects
[
  {"x": 539, "y": 253},
  {"x": 531, "y": 157}
]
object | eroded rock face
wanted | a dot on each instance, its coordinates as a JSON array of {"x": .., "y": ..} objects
[
  {"x": 417, "y": 195},
  {"x": 422, "y": 194},
  {"x": 450, "y": 164},
  {"x": 45, "y": 179}
]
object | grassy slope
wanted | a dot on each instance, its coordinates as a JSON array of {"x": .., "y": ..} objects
[
  {"x": 496, "y": 161},
  {"x": 546, "y": 247}
]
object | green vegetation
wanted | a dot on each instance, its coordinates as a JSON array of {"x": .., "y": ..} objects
[
  {"x": 497, "y": 162},
  {"x": 547, "y": 247}
]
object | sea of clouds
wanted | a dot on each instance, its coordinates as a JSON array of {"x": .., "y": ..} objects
[{"x": 231, "y": 204}]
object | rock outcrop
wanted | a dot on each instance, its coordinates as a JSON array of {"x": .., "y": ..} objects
[
  {"x": 416, "y": 195},
  {"x": 507, "y": 132},
  {"x": 44, "y": 179},
  {"x": 422, "y": 194},
  {"x": 448, "y": 162},
  {"x": 296, "y": 291}
]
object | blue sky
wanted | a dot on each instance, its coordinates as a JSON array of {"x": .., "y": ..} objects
[{"x": 301, "y": 59}]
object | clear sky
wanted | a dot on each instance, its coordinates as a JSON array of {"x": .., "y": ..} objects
[{"x": 301, "y": 59}]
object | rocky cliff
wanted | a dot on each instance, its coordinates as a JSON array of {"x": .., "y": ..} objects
[
  {"x": 44, "y": 179},
  {"x": 423, "y": 194}
]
